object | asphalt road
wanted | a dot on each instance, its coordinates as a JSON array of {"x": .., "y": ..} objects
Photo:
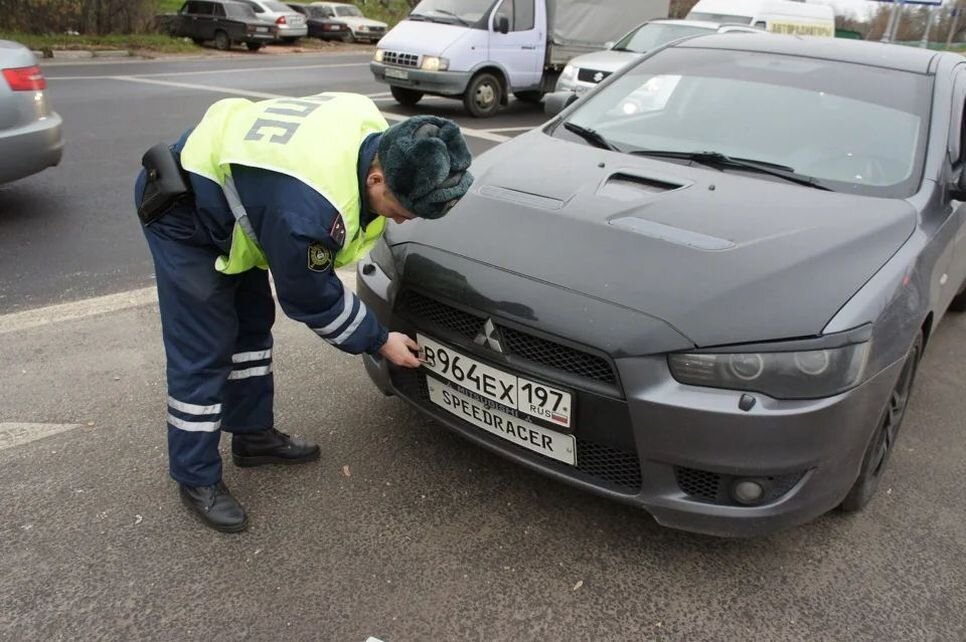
[{"x": 403, "y": 531}]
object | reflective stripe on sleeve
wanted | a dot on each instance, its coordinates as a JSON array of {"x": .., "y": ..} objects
[
  {"x": 356, "y": 322},
  {"x": 347, "y": 300}
]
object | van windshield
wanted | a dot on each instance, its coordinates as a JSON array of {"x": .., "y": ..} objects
[
  {"x": 654, "y": 34},
  {"x": 720, "y": 17},
  {"x": 467, "y": 12},
  {"x": 807, "y": 115}
]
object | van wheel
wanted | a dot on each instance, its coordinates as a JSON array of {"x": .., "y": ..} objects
[
  {"x": 483, "y": 95},
  {"x": 222, "y": 41},
  {"x": 958, "y": 304},
  {"x": 883, "y": 441},
  {"x": 529, "y": 96},
  {"x": 406, "y": 97}
]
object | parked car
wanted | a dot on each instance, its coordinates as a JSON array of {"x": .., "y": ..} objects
[
  {"x": 290, "y": 24},
  {"x": 583, "y": 73},
  {"x": 222, "y": 21},
  {"x": 360, "y": 27},
  {"x": 713, "y": 309},
  {"x": 31, "y": 133},
  {"x": 319, "y": 24}
]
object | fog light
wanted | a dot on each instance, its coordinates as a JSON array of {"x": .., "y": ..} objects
[{"x": 747, "y": 492}]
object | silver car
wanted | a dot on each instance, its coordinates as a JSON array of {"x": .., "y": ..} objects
[
  {"x": 31, "y": 134},
  {"x": 291, "y": 24},
  {"x": 585, "y": 72}
]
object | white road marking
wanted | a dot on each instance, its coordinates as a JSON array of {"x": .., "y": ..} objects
[
  {"x": 216, "y": 71},
  {"x": 467, "y": 131},
  {"x": 76, "y": 310},
  {"x": 18, "y": 434}
]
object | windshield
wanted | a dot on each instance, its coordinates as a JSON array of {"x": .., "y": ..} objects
[
  {"x": 655, "y": 34},
  {"x": 810, "y": 115},
  {"x": 466, "y": 11},
  {"x": 318, "y": 13},
  {"x": 720, "y": 17},
  {"x": 347, "y": 11},
  {"x": 278, "y": 7}
]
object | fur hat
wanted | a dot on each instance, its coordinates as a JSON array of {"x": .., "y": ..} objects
[{"x": 424, "y": 159}]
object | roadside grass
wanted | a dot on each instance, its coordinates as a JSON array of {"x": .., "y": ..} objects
[{"x": 153, "y": 42}]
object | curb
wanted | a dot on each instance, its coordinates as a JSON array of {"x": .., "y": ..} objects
[{"x": 79, "y": 54}]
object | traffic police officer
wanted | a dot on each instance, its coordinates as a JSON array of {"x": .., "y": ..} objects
[{"x": 300, "y": 186}]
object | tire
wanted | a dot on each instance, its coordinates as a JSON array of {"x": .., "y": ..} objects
[
  {"x": 883, "y": 440},
  {"x": 483, "y": 95},
  {"x": 958, "y": 304},
  {"x": 406, "y": 97},
  {"x": 533, "y": 97},
  {"x": 253, "y": 46},
  {"x": 222, "y": 41},
  {"x": 348, "y": 37}
]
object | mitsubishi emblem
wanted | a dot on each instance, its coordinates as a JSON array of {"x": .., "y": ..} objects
[{"x": 490, "y": 337}]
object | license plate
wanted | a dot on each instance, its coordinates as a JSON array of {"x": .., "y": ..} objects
[
  {"x": 522, "y": 433},
  {"x": 401, "y": 74},
  {"x": 529, "y": 397},
  {"x": 261, "y": 29}
]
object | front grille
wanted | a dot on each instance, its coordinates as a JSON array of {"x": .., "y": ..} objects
[
  {"x": 400, "y": 59},
  {"x": 706, "y": 486},
  {"x": 606, "y": 465},
  {"x": 418, "y": 307},
  {"x": 592, "y": 75}
]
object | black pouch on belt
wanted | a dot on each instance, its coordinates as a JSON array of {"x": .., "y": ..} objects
[{"x": 166, "y": 183}]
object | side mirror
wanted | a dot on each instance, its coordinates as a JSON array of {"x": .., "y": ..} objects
[
  {"x": 502, "y": 24},
  {"x": 609, "y": 44},
  {"x": 558, "y": 101}
]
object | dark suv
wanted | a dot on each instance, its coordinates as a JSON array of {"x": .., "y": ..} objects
[{"x": 223, "y": 22}]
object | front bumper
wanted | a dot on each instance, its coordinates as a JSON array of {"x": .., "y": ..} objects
[
  {"x": 676, "y": 450},
  {"x": 444, "y": 83},
  {"x": 31, "y": 148}
]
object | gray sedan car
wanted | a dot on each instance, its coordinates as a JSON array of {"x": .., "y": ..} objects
[
  {"x": 31, "y": 136},
  {"x": 703, "y": 289}
]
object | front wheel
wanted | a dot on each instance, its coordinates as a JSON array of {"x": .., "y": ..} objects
[
  {"x": 222, "y": 41},
  {"x": 406, "y": 97},
  {"x": 483, "y": 95},
  {"x": 884, "y": 440},
  {"x": 348, "y": 37}
]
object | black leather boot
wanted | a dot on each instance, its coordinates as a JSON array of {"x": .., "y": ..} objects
[
  {"x": 271, "y": 447},
  {"x": 216, "y": 507}
]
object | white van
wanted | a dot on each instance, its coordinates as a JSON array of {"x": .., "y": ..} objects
[{"x": 777, "y": 16}]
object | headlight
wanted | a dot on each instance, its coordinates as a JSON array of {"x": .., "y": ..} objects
[
  {"x": 569, "y": 73},
  {"x": 432, "y": 63},
  {"x": 784, "y": 375},
  {"x": 379, "y": 55}
]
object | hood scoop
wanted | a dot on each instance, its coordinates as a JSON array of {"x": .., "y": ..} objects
[{"x": 623, "y": 186}]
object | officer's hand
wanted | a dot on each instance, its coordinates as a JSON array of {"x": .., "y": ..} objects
[{"x": 399, "y": 350}]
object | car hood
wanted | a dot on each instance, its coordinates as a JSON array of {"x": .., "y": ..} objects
[
  {"x": 429, "y": 38},
  {"x": 608, "y": 60},
  {"x": 356, "y": 21},
  {"x": 722, "y": 257}
]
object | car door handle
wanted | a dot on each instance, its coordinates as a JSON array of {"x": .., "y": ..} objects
[{"x": 528, "y": 47}]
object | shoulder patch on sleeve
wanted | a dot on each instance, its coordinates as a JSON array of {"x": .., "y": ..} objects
[
  {"x": 337, "y": 232},
  {"x": 320, "y": 257}
]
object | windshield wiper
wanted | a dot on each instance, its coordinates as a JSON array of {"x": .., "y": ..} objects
[
  {"x": 452, "y": 15},
  {"x": 592, "y": 136},
  {"x": 417, "y": 16},
  {"x": 717, "y": 159}
]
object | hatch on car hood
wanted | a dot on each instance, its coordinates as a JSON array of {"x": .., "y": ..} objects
[{"x": 723, "y": 257}]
